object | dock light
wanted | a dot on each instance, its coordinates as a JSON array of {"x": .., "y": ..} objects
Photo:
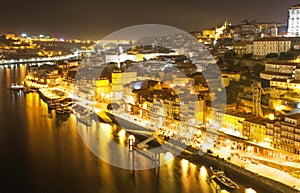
[
  {"x": 249, "y": 190},
  {"x": 131, "y": 142},
  {"x": 169, "y": 156},
  {"x": 132, "y": 137},
  {"x": 271, "y": 116}
]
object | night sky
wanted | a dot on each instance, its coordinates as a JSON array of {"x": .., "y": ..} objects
[{"x": 95, "y": 19}]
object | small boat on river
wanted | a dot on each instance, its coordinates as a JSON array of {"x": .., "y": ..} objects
[
  {"x": 16, "y": 86},
  {"x": 223, "y": 181}
]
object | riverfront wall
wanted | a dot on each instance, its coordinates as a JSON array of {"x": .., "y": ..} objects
[
  {"x": 230, "y": 169},
  {"x": 240, "y": 173},
  {"x": 237, "y": 172}
]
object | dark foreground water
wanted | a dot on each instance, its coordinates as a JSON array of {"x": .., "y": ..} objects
[{"x": 41, "y": 152}]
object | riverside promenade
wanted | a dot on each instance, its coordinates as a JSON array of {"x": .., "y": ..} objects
[
  {"x": 275, "y": 179},
  {"x": 263, "y": 175}
]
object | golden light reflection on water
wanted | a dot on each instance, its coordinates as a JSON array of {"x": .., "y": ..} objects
[
  {"x": 8, "y": 77},
  {"x": 193, "y": 168},
  {"x": 106, "y": 132},
  {"x": 55, "y": 148},
  {"x": 122, "y": 136},
  {"x": 184, "y": 167},
  {"x": 203, "y": 172}
]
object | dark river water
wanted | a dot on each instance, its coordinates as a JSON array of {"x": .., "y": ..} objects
[{"x": 44, "y": 153}]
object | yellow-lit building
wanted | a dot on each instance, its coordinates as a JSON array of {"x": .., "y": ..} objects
[
  {"x": 255, "y": 129},
  {"x": 102, "y": 89},
  {"x": 11, "y": 36},
  {"x": 288, "y": 127},
  {"x": 286, "y": 84},
  {"x": 209, "y": 33},
  {"x": 196, "y": 111},
  {"x": 118, "y": 80},
  {"x": 279, "y": 70},
  {"x": 229, "y": 76},
  {"x": 297, "y": 140},
  {"x": 243, "y": 47},
  {"x": 232, "y": 122}
]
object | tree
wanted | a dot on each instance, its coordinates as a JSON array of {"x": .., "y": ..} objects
[
  {"x": 229, "y": 57},
  {"x": 286, "y": 56},
  {"x": 272, "y": 55},
  {"x": 265, "y": 83},
  {"x": 257, "y": 69},
  {"x": 232, "y": 91},
  {"x": 238, "y": 67},
  {"x": 247, "y": 56},
  {"x": 220, "y": 61},
  {"x": 229, "y": 53},
  {"x": 282, "y": 56}
]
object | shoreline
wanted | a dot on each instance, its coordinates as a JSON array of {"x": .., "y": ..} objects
[{"x": 210, "y": 161}]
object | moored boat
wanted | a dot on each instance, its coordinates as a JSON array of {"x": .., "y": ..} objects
[
  {"x": 85, "y": 120},
  {"x": 52, "y": 104},
  {"x": 67, "y": 110},
  {"x": 223, "y": 181},
  {"x": 16, "y": 86},
  {"x": 28, "y": 90},
  {"x": 59, "y": 110}
]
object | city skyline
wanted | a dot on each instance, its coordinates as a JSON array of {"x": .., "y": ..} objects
[
  {"x": 150, "y": 96},
  {"x": 96, "y": 19}
]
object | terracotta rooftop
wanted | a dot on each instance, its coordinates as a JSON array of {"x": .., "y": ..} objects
[
  {"x": 272, "y": 39},
  {"x": 284, "y": 80},
  {"x": 295, "y": 6},
  {"x": 259, "y": 120},
  {"x": 276, "y": 73},
  {"x": 282, "y": 63},
  {"x": 294, "y": 116},
  {"x": 243, "y": 43}
]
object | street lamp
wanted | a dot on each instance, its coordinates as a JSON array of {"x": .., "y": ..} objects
[
  {"x": 250, "y": 149},
  {"x": 131, "y": 142}
]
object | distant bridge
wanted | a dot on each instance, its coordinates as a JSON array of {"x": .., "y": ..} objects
[{"x": 37, "y": 60}]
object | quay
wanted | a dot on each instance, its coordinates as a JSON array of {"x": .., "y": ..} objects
[{"x": 262, "y": 179}]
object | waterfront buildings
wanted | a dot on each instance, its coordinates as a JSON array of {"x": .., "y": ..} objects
[
  {"x": 162, "y": 100},
  {"x": 281, "y": 135}
]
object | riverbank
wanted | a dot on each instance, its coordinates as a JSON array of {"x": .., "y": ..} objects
[
  {"x": 193, "y": 156},
  {"x": 239, "y": 172}
]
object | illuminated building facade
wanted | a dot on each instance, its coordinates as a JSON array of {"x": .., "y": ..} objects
[
  {"x": 294, "y": 21},
  {"x": 265, "y": 46},
  {"x": 278, "y": 70}
]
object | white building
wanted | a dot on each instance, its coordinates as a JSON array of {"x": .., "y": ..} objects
[
  {"x": 279, "y": 70},
  {"x": 294, "y": 21},
  {"x": 265, "y": 46}
]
